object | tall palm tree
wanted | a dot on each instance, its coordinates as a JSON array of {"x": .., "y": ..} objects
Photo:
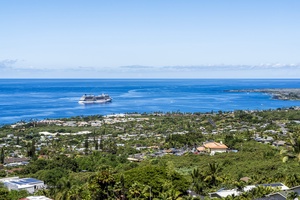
[
  {"x": 63, "y": 186},
  {"x": 195, "y": 175},
  {"x": 198, "y": 183},
  {"x": 212, "y": 177}
]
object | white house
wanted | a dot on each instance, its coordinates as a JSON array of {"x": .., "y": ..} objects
[
  {"x": 29, "y": 184},
  {"x": 222, "y": 193}
]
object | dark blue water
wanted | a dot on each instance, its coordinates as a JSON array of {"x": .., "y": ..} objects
[{"x": 26, "y": 99}]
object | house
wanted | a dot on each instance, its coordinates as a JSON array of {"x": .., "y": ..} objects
[
  {"x": 282, "y": 195},
  {"x": 136, "y": 157},
  {"x": 201, "y": 149},
  {"x": 269, "y": 139},
  {"x": 80, "y": 124},
  {"x": 215, "y": 147},
  {"x": 296, "y": 189},
  {"x": 12, "y": 161},
  {"x": 133, "y": 159},
  {"x": 222, "y": 193},
  {"x": 279, "y": 143},
  {"x": 281, "y": 186},
  {"x": 194, "y": 194},
  {"x": 265, "y": 140},
  {"x": 29, "y": 184},
  {"x": 275, "y": 196}
]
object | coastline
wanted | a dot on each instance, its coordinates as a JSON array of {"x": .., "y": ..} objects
[{"x": 280, "y": 94}]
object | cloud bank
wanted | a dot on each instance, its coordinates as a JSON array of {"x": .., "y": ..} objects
[
  {"x": 7, "y": 63},
  {"x": 14, "y": 68}
]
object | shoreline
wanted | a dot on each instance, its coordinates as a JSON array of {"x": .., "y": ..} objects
[
  {"x": 126, "y": 114},
  {"x": 280, "y": 94},
  {"x": 136, "y": 114}
]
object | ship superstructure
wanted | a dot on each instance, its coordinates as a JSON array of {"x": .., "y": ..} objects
[{"x": 89, "y": 99}]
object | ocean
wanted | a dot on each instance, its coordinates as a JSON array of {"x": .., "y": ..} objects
[{"x": 35, "y": 99}]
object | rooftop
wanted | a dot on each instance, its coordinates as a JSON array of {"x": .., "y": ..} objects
[
  {"x": 36, "y": 198},
  {"x": 23, "y": 181},
  {"x": 215, "y": 145}
]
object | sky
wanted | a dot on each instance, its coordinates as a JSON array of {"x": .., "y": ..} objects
[{"x": 149, "y": 39}]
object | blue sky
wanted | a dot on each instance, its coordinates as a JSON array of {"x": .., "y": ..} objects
[{"x": 149, "y": 39}]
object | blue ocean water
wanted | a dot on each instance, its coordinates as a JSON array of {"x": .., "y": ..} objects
[{"x": 26, "y": 99}]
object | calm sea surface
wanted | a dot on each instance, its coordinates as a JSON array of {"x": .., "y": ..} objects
[{"x": 26, "y": 99}]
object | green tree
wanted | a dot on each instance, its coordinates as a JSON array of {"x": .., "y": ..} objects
[
  {"x": 174, "y": 194},
  {"x": 51, "y": 176},
  {"x": 259, "y": 191},
  {"x": 295, "y": 141},
  {"x": 79, "y": 193},
  {"x": 162, "y": 196},
  {"x": 101, "y": 143},
  {"x": 63, "y": 187},
  {"x": 135, "y": 191},
  {"x": 18, "y": 140},
  {"x": 86, "y": 146},
  {"x": 292, "y": 180},
  {"x": 195, "y": 174},
  {"x": 15, "y": 194},
  {"x": 157, "y": 178},
  {"x": 2, "y": 156},
  {"x": 211, "y": 176},
  {"x": 2, "y": 173},
  {"x": 96, "y": 144},
  {"x": 43, "y": 192},
  {"x": 101, "y": 184},
  {"x": 198, "y": 184},
  {"x": 31, "y": 149},
  {"x": 121, "y": 183},
  {"x": 64, "y": 162},
  {"x": 3, "y": 193}
]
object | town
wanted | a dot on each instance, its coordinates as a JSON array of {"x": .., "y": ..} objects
[{"x": 154, "y": 155}]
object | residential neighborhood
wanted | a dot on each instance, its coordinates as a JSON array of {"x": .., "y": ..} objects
[{"x": 215, "y": 140}]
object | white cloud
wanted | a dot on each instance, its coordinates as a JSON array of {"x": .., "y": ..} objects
[
  {"x": 7, "y": 63},
  {"x": 278, "y": 65},
  {"x": 137, "y": 67},
  {"x": 21, "y": 69}
]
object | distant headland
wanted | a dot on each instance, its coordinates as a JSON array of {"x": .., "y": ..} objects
[{"x": 281, "y": 94}]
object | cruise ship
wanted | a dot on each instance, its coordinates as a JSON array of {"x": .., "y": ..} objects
[{"x": 89, "y": 99}]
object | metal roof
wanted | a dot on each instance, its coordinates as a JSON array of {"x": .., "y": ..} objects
[{"x": 25, "y": 181}]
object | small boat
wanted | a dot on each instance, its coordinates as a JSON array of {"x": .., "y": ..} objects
[{"x": 89, "y": 99}]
